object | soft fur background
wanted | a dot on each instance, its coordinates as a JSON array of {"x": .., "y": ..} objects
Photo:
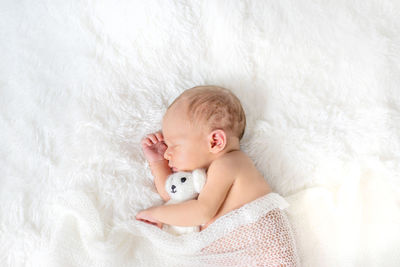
[{"x": 81, "y": 82}]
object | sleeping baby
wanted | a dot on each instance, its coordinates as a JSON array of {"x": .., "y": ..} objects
[{"x": 201, "y": 129}]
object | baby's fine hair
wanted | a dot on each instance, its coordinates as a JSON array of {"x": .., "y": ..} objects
[{"x": 218, "y": 107}]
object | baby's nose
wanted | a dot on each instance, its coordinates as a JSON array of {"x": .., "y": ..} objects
[{"x": 167, "y": 155}]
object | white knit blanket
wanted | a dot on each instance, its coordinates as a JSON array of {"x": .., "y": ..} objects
[
  {"x": 257, "y": 234},
  {"x": 81, "y": 82}
]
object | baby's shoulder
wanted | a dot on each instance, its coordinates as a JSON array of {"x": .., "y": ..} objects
[{"x": 231, "y": 161}]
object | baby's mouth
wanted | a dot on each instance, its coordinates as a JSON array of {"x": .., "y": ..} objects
[{"x": 173, "y": 169}]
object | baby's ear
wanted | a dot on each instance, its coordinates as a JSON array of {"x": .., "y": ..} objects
[
  {"x": 199, "y": 179},
  {"x": 217, "y": 141}
]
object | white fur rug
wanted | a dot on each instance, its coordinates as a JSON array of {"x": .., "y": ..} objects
[{"x": 81, "y": 82}]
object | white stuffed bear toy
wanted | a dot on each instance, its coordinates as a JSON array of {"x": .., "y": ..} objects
[{"x": 182, "y": 186}]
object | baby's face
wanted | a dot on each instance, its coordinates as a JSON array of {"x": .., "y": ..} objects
[{"x": 187, "y": 145}]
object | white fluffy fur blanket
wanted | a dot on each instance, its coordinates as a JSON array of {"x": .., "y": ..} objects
[{"x": 81, "y": 82}]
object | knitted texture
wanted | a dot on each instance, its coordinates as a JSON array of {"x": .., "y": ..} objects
[{"x": 257, "y": 234}]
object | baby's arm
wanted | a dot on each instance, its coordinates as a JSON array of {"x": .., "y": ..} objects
[
  {"x": 202, "y": 210},
  {"x": 161, "y": 171},
  {"x": 153, "y": 147}
]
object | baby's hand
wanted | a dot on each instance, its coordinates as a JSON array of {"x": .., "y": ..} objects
[
  {"x": 153, "y": 147},
  {"x": 145, "y": 216}
]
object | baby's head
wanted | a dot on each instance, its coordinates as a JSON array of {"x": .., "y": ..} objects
[{"x": 203, "y": 123}]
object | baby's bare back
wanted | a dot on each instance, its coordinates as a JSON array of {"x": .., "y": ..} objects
[{"x": 248, "y": 185}]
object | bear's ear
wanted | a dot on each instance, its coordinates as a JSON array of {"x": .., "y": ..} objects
[{"x": 199, "y": 179}]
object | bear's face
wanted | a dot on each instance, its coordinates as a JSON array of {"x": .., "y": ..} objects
[{"x": 180, "y": 186}]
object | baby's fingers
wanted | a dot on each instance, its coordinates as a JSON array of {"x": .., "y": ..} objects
[
  {"x": 159, "y": 136},
  {"x": 153, "y": 138},
  {"x": 146, "y": 141}
]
